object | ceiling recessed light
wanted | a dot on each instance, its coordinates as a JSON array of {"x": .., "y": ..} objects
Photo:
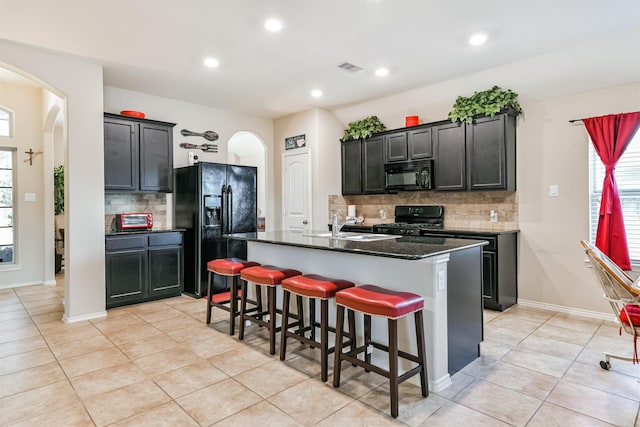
[
  {"x": 273, "y": 25},
  {"x": 478, "y": 39},
  {"x": 381, "y": 72},
  {"x": 316, "y": 93},
  {"x": 211, "y": 62}
]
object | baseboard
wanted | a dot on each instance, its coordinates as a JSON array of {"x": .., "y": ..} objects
[
  {"x": 90, "y": 316},
  {"x": 21, "y": 285},
  {"x": 570, "y": 310}
]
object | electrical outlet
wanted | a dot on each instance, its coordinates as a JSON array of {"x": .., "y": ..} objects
[
  {"x": 29, "y": 197},
  {"x": 192, "y": 157}
]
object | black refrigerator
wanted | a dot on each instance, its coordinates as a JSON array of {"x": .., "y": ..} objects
[{"x": 212, "y": 199}]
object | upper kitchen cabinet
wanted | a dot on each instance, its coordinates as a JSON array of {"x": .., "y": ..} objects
[
  {"x": 478, "y": 156},
  {"x": 138, "y": 154},
  {"x": 363, "y": 166},
  {"x": 491, "y": 153},
  {"x": 450, "y": 160},
  {"x": 373, "y": 165},
  {"x": 409, "y": 145},
  {"x": 351, "y": 167}
]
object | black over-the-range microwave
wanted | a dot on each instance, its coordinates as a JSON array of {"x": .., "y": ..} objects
[{"x": 408, "y": 176}]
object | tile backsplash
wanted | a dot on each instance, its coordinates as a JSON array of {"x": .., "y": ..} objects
[
  {"x": 156, "y": 203},
  {"x": 461, "y": 209}
]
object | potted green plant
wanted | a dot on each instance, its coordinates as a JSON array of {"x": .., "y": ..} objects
[
  {"x": 488, "y": 102},
  {"x": 58, "y": 190},
  {"x": 362, "y": 129}
]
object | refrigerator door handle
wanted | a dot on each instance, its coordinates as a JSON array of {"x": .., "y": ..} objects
[
  {"x": 223, "y": 208},
  {"x": 230, "y": 209}
]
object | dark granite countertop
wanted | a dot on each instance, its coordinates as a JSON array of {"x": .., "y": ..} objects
[
  {"x": 129, "y": 232},
  {"x": 410, "y": 248},
  {"x": 447, "y": 230}
]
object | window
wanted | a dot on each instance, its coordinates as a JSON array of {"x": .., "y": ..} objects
[
  {"x": 7, "y": 161},
  {"x": 6, "y": 122},
  {"x": 627, "y": 176}
]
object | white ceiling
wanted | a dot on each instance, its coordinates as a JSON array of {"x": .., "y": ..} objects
[{"x": 157, "y": 46}]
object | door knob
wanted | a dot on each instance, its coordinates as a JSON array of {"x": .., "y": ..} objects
[{"x": 305, "y": 222}]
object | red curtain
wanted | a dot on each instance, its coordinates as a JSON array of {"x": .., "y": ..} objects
[{"x": 610, "y": 136}]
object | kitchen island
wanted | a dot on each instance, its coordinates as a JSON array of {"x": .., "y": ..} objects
[{"x": 446, "y": 272}]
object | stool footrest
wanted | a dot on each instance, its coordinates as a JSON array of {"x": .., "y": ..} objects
[{"x": 352, "y": 356}]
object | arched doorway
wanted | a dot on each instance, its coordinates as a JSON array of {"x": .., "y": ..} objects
[
  {"x": 246, "y": 148},
  {"x": 42, "y": 110}
]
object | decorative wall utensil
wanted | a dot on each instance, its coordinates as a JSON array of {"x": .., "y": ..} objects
[
  {"x": 207, "y": 148},
  {"x": 209, "y": 135}
]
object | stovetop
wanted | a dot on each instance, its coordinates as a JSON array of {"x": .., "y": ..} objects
[{"x": 410, "y": 220}]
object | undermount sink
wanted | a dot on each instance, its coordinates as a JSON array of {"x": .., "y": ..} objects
[{"x": 359, "y": 237}]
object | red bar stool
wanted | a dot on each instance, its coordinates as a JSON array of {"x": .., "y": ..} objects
[
  {"x": 373, "y": 300},
  {"x": 230, "y": 267},
  {"x": 314, "y": 287},
  {"x": 271, "y": 277}
]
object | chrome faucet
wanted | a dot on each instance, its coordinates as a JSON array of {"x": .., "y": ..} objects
[{"x": 336, "y": 226}]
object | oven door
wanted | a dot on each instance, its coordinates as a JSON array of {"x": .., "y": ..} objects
[{"x": 409, "y": 176}]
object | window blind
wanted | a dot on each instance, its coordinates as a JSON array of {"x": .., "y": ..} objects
[{"x": 627, "y": 175}]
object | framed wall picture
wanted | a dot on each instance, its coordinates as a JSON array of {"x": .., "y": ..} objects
[{"x": 297, "y": 141}]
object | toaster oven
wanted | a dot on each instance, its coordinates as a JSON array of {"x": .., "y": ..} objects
[{"x": 134, "y": 221}]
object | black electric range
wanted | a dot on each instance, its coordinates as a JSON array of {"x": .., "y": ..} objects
[{"x": 413, "y": 220}]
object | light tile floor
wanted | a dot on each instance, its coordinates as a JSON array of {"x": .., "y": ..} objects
[{"x": 159, "y": 364}]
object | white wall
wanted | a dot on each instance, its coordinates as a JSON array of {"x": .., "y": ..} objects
[
  {"x": 26, "y": 102},
  {"x": 197, "y": 118},
  {"x": 553, "y": 151},
  {"x": 322, "y": 131},
  {"x": 80, "y": 84}
]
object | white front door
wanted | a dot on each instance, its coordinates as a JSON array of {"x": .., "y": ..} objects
[{"x": 296, "y": 194}]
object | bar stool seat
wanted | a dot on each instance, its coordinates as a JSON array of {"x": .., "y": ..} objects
[
  {"x": 372, "y": 300},
  {"x": 314, "y": 287},
  {"x": 270, "y": 276},
  {"x": 230, "y": 267}
]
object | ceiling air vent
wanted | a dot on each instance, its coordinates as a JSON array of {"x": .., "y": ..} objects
[{"x": 349, "y": 67}]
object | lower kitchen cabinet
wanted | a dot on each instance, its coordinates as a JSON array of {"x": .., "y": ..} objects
[
  {"x": 499, "y": 270},
  {"x": 499, "y": 265},
  {"x": 143, "y": 267}
]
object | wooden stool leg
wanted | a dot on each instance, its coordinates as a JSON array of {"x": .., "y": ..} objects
[
  {"x": 424, "y": 379},
  {"x": 259, "y": 299},
  {"x": 243, "y": 308},
  {"x": 324, "y": 338},
  {"x": 285, "y": 324},
  {"x": 352, "y": 330},
  {"x": 393, "y": 366},
  {"x": 209, "y": 297},
  {"x": 233, "y": 305},
  {"x": 312, "y": 317},
  {"x": 271, "y": 296},
  {"x": 367, "y": 339},
  {"x": 338, "y": 346},
  {"x": 300, "y": 315}
]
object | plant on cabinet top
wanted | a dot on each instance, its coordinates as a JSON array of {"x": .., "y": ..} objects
[
  {"x": 488, "y": 102},
  {"x": 362, "y": 129}
]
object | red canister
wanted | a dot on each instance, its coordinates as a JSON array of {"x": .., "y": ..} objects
[{"x": 411, "y": 121}]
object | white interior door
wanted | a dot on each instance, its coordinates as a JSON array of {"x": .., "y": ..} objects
[{"x": 296, "y": 194}]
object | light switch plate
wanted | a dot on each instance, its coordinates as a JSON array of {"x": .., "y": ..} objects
[
  {"x": 29, "y": 197},
  {"x": 553, "y": 190}
]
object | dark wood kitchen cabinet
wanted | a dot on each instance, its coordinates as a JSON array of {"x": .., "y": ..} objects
[
  {"x": 351, "y": 158},
  {"x": 363, "y": 166},
  {"x": 373, "y": 165},
  {"x": 491, "y": 153},
  {"x": 138, "y": 154},
  {"x": 477, "y": 156},
  {"x": 143, "y": 267},
  {"x": 409, "y": 145},
  {"x": 450, "y": 157}
]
